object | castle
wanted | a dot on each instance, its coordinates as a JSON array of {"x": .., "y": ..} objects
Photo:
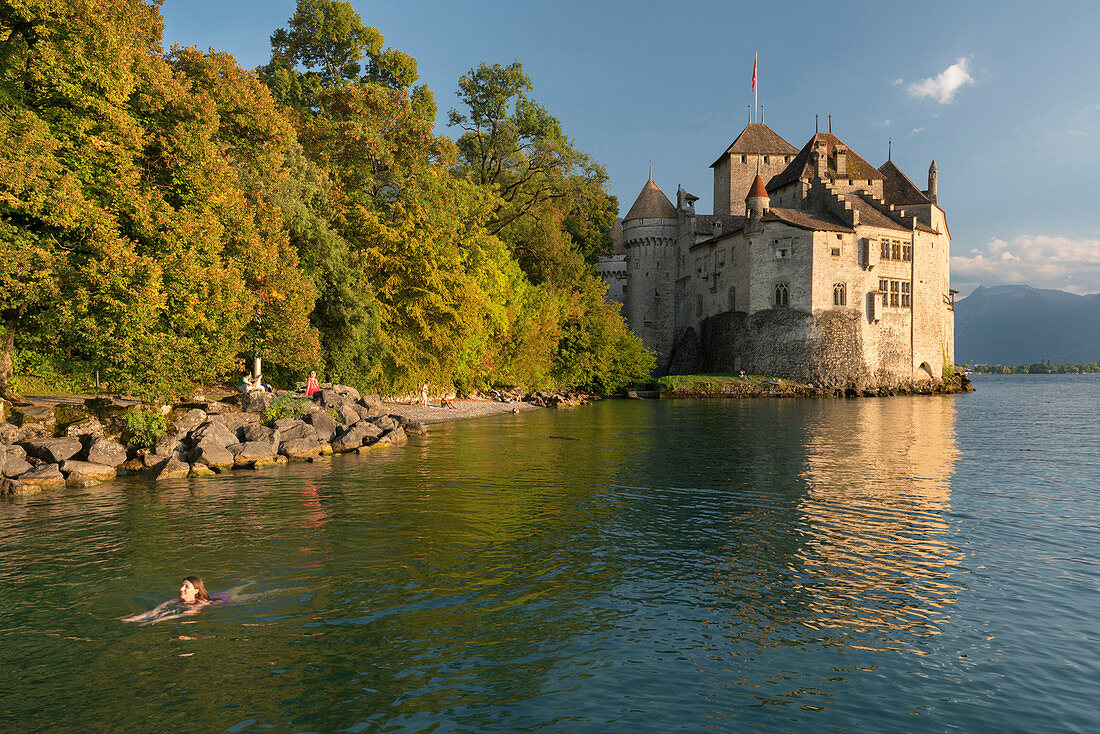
[{"x": 814, "y": 265}]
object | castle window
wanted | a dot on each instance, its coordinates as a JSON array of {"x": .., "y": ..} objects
[
  {"x": 840, "y": 295},
  {"x": 835, "y": 252},
  {"x": 782, "y": 253},
  {"x": 781, "y": 298},
  {"x": 905, "y": 301},
  {"x": 765, "y": 160},
  {"x": 743, "y": 159},
  {"x": 885, "y": 253},
  {"x": 698, "y": 306},
  {"x": 732, "y": 299},
  {"x": 895, "y": 287},
  {"x": 907, "y": 253},
  {"x": 786, "y": 159},
  {"x": 896, "y": 251}
]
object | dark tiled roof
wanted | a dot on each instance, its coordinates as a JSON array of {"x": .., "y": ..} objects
[
  {"x": 758, "y": 138},
  {"x": 801, "y": 167},
  {"x": 651, "y": 204},
  {"x": 704, "y": 223},
  {"x": 803, "y": 220},
  {"x": 897, "y": 188},
  {"x": 617, "y": 247},
  {"x": 870, "y": 216}
]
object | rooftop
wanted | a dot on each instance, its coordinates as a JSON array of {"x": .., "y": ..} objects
[
  {"x": 651, "y": 204},
  {"x": 758, "y": 138}
]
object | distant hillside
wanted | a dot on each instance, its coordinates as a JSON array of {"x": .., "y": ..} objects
[{"x": 1018, "y": 324}]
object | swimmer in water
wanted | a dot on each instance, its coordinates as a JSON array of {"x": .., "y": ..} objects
[{"x": 193, "y": 597}]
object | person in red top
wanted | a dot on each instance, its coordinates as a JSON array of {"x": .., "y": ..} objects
[{"x": 312, "y": 386}]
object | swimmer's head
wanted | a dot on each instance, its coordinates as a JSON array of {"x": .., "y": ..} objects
[{"x": 193, "y": 590}]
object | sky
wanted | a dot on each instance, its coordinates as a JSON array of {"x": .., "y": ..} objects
[{"x": 1004, "y": 96}]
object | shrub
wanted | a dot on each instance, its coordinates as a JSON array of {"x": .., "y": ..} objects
[
  {"x": 145, "y": 425},
  {"x": 286, "y": 406}
]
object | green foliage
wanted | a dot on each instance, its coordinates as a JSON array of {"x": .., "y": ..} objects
[
  {"x": 285, "y": 406},
  {"x": 144, "y": 426}
]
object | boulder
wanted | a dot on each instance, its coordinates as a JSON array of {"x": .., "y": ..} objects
[
  {"x": 132, "y": 466},
  {"x": 252, "y": 452},
  {"x": 385, "y": 422},
  {"x": 26, "y": 414},
  {"x": 151, "y": 461},
  {"x": 259, "y": 432},
  {"x": 392, "y": 436},
  {"x": 265, "y": 462},
  {"x": 47, "y": 476},
  {"x": 8, "y": 433},
  {"x": 355, "y": 437},
  {"x": 301, "y": 449},
  {"x": 88, "y": 469},
  {"x": 256, "y": 401},
  {"x": 323, "y": 423},
  {"x": 170, "y": 445},
  {"x": 53, "y": 450},
  {"x": 215, "y": 457},
  {"x": 346, "y": 391},
  {"x": 17, "y": 488},
  {"x": 234, "y": 420},
  {"x": 372, "y": 402},
  {"x": 87, "y": 427},
  {"x": 348, "y": 415},
  {"x": 292, "y": 428},
  {"x": 214, "y": 433},
  {"x": 367, "y": 414},
  {"x": 13, "y": 462},
  {"x": 105, "y": 451},
  {"x": 185, "y": 421},
  {"x": 201, "y": 470},
  {"x": 173, "y": 469},
  {"x": 415, "y": 427},
  {"x": 329, "y": 397},
  {"x": 31, "y": 431}
]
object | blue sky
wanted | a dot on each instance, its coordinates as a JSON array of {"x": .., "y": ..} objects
[{"x": 1005, "y": 97}]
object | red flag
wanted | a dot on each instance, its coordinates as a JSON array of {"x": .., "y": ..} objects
[{"x": 754, "y": 72}]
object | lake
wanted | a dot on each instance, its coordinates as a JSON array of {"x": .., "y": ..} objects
[{"x": 898, "y": 564}]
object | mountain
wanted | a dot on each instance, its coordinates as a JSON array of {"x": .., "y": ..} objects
[{"x": 1018, "y": 324}]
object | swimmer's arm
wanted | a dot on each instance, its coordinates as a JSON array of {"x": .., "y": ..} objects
[{"x": 149, "y": 614}]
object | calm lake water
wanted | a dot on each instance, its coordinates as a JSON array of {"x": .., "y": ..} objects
[{"x": 902, "y": 564}]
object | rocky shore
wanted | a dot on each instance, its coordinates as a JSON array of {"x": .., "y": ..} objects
[
  {"x": 775, "y": 387},
  {"x": 80, "y": 444}
]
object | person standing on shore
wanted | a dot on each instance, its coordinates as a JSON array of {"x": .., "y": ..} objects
[{"x": 424, "y": 395}]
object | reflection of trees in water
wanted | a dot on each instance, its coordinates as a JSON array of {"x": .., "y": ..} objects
[{"x": 864, "y": 561}]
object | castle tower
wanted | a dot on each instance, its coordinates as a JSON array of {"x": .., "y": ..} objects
[
  {"x": 758, "y": 150},
  {"x": 933, "y": 181},
  {"x": 649, "y": 236},
  {"x": 757, "y": 202}
]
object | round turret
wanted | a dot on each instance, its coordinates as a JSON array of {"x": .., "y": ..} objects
[
  {"x": 757, "y": 202},
  {"x": 649, "y": 236}
]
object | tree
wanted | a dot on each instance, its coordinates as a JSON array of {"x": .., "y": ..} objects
[{"x": 514, "y": 146}]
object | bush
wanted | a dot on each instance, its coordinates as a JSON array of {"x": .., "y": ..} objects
[
  {"x": 286, "y": 406},
  {"x": 144, "y": 426}
]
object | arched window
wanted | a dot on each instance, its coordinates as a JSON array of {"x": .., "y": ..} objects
[
  {"x": 840, "y": 296},
  {"x": 781, "y": 298}
]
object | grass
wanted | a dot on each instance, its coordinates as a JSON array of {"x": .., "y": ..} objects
[{"x": 711, "y": 381}]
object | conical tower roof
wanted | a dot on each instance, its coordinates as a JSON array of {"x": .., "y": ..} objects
[
  {"x": 651, "y": 204},
  {"x": 758, "y": 189}
]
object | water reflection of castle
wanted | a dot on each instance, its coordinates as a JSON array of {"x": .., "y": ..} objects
[
  {"x": 877, "y": 549},
  {"x": 862, "y": 557}
]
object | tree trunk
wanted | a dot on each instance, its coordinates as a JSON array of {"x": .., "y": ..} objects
[{"x": 7, "y": 348}]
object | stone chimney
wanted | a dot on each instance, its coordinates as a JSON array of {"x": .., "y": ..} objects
[
  {"x": 841, "y": 160},
  {"x": 933, "y": 176},
  {"x": 821, "y": 158}
]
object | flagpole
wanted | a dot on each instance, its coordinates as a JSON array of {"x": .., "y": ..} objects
[{"x": 755, "y": 91}]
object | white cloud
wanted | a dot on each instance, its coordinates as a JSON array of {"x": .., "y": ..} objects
[
  {"x": 883, "y": 123},
  {"x": 1041, "y": 261},
  {"x": 943, "y": 87},
  {"x": 916, "y": 131},
  {"x": 1076, "y": 132}
]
